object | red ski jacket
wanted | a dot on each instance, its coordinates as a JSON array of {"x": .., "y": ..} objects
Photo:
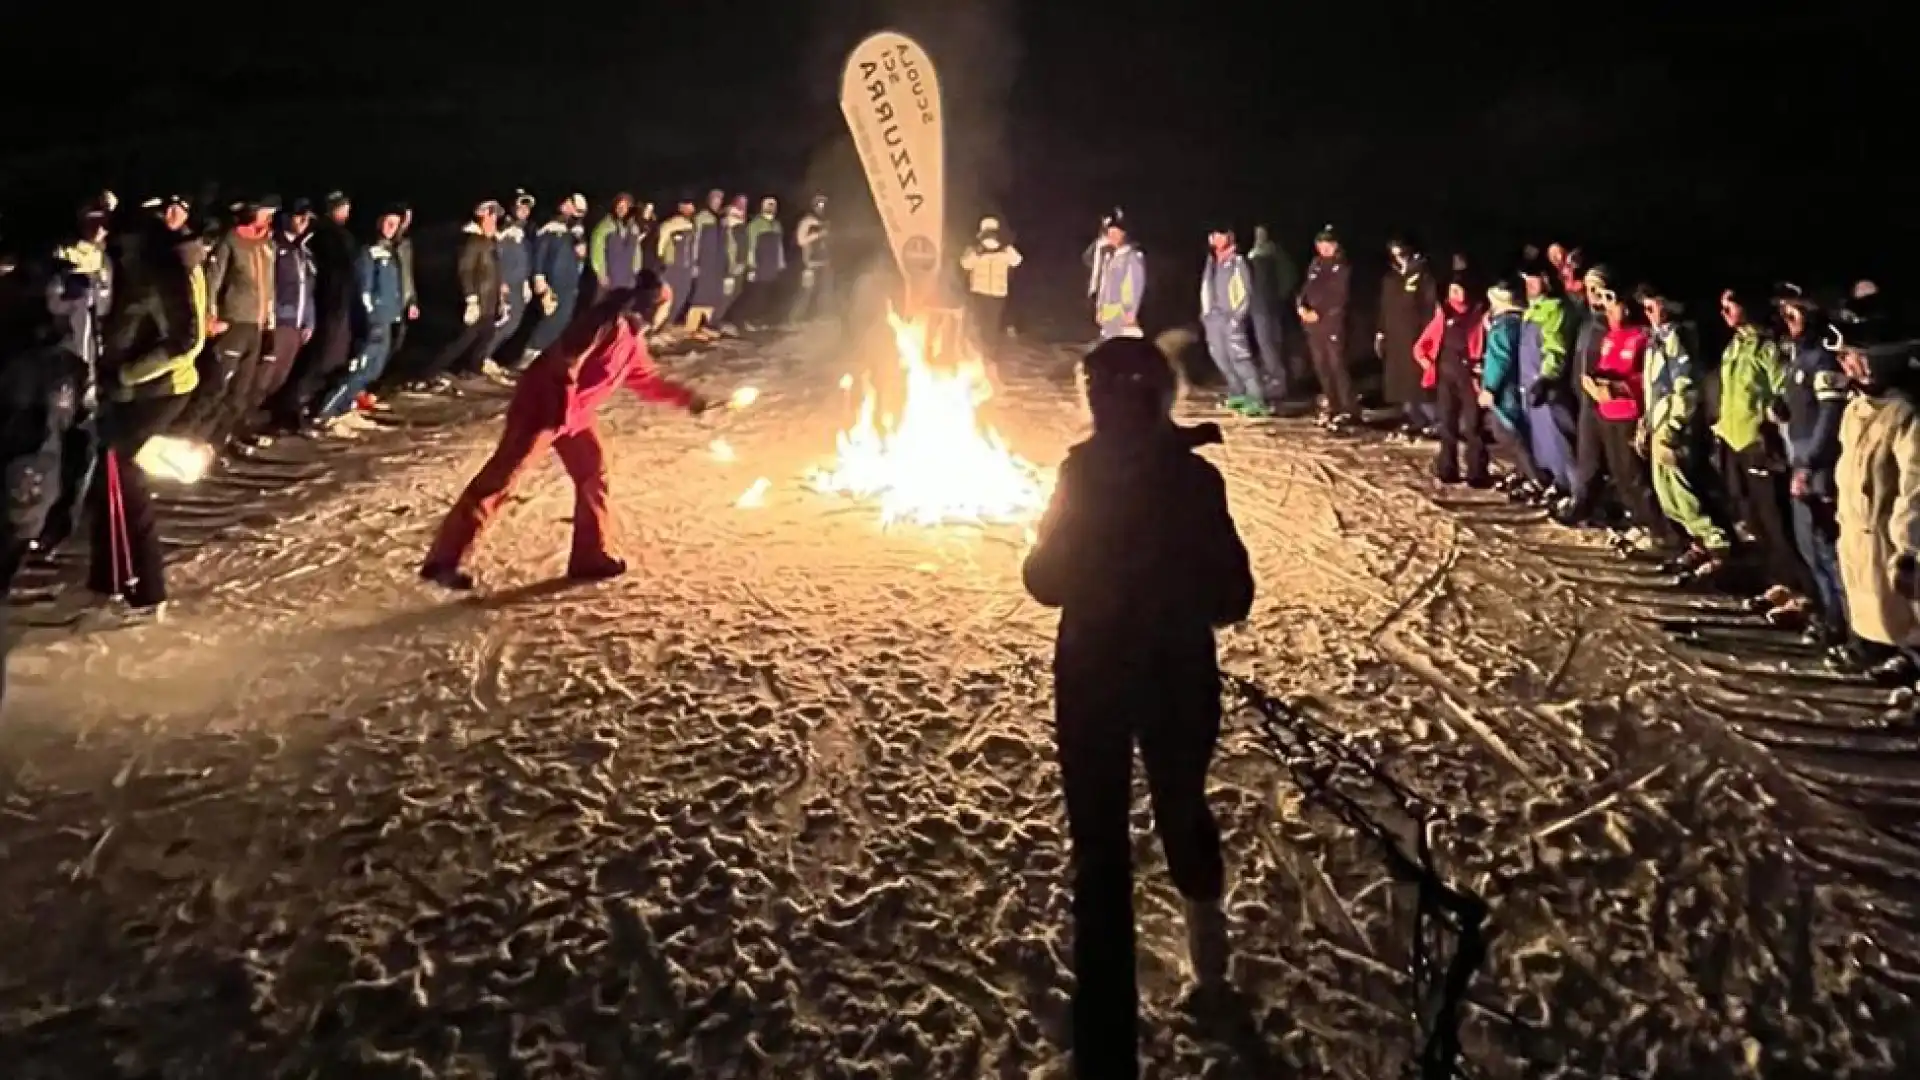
[{"x": 563, "y": 388}]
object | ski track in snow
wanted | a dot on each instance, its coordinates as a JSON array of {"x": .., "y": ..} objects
[{"x": 782, "y": 803}]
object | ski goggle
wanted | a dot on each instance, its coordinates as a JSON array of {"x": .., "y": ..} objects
[{"x": 1600, "y": 294}]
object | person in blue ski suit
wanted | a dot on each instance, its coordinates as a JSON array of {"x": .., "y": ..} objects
[
  {"x": 1226, "y": 308},
  {"x": 516, "y": 273},
  {"x": 676, "y": 262},
  {"x": 1815, "y": 400},
  {"x": 559, "y": 253},
  {"x": 1543, "y": 366},
  {"x": 709, "y": 263},
  {"x": 382, "y": 296},
  {"x": 1121, "y": 285},
  {"x": 614, "y": 250},
  {"x": 80, "y": 296}
]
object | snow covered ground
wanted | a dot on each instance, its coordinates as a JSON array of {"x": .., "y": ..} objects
[{"x": 781, "y": 803}]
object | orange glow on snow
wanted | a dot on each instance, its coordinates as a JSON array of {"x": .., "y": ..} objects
[
  {"x": 938, "y": 463},
  {"x": 755, "y": 496}
]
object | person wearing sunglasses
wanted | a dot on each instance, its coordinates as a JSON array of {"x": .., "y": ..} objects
[
  {"x": 1615, "y": 385},
  {"x": 1753, "y": 381}
]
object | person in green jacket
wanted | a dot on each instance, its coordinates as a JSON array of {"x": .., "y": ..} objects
[
  {"x": 1753, "y": 383},
  {"x": 1671, "y": 435}
]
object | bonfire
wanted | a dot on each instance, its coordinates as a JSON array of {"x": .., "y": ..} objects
[{"x": 936, "y": 462}]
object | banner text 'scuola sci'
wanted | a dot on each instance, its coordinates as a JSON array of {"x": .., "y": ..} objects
[{"x": 891, "y": 98}]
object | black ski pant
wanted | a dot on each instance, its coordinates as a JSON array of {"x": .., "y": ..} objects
[
  {"x": 227, "y": 366},
  {"x": 1590, "y": 471},
  {"x": 315, "y": 367},
  {"x": 989, "y": 319},
  {"x": 1457, "y": 401},
  {"x": 465, "y": 354},
  {"x": 1327, "y": 348},
  {"x": 1760, "y": 499},
  {"x": 132, "y": 564},
  {"x": 1176, "y": 723}
]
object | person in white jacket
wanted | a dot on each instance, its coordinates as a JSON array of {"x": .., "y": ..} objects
[
  {"x": 1878, "y": 491},
  {"x": 989, "y": 264}
]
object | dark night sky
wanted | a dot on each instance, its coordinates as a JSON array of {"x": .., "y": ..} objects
[{"x": 1696, "y": 145}]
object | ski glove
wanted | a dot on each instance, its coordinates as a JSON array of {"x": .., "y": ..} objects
[
  {"x": 472, "y": 314},
  {"x": 1539, "y": 394}
]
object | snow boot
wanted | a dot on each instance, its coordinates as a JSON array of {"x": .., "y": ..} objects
[
  {"x": 448, "y": 577},
  {"x": 606, "y": 569},
  {"x": 1207, "y": 949}
]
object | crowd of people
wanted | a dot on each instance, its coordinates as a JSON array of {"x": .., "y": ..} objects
[
  {"x": 1794, "y": 445},
  {"x": 232, "y": 330}
]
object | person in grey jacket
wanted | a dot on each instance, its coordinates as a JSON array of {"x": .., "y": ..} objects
[{"x": 240, "y": 275}]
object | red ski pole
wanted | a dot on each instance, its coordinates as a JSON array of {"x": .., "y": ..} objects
[{"x": 119, "y": 544}]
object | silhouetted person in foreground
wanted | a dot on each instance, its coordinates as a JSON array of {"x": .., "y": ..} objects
[{"x": 1139, "y": 552}]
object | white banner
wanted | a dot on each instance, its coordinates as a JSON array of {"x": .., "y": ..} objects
[{"x": 891, "y": 99}]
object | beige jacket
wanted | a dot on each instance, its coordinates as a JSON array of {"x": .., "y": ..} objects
[
  {"x": 988, "y": 270},
  {"x": 1878, "y": 478}
]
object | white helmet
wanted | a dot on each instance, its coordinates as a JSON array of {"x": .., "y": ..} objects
[{"x": 989, "y": 224}]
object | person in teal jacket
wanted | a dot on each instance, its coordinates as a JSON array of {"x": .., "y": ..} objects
[
  {"x": 1670, "y": 438},
  {"x": 1502, "y": 394}
]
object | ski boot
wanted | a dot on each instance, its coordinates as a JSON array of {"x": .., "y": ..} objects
[
  {"x": 451, "y": 578},
  {"x": 1792, "y": 614},
  {"x": 605, "y": 569},
  {"x": 1695, "y": 562}
]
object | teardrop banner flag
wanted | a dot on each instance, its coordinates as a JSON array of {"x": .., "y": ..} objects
[{"x": 891, "y": 99}]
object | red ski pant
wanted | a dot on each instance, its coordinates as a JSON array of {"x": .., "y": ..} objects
[{"x": 520, "y": 445}]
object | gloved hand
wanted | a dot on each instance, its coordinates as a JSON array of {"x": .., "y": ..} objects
[
  {"x": 472, "y": 314},
  {"x": 1665, "y": 454},
  {"x": 549, "y": 303},
  {"x": 698, "y": 403},
  {"x": 501, "y": 319}
]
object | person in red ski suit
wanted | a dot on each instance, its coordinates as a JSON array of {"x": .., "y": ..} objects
[{"x": 555, "y": 406}]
